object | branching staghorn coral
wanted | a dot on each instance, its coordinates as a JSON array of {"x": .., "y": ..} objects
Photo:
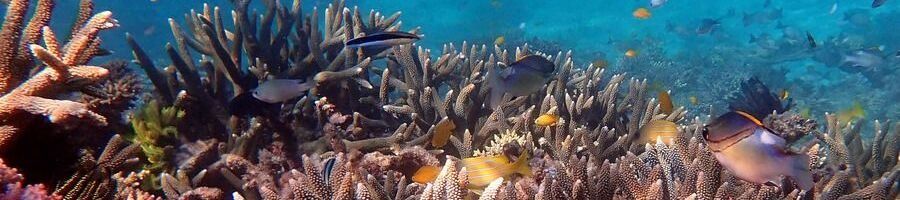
[{"x": 65, "y": 65}]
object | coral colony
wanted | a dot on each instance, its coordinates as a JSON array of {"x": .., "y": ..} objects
[{"x": 380, "y": 122}]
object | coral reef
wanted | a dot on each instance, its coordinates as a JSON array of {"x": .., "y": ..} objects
[
  {"x": 65, "y": 66},
  {"x": 363, "y": 131},
  {"x": 12, "y": 184}
]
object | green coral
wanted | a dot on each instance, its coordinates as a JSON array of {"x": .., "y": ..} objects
[{"x": 155, "y": 129}]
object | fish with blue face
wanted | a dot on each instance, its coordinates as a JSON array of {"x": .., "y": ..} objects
[
  {"x": 748, "y": 149},
  {"x": 523, "y": 77},
  {"x": 383, "y": 39}
]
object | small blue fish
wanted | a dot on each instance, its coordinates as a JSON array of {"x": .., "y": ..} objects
[
  {"x": 878, "y": 3},
  {"x": 523, "y": 77},
  {"x": 281, "y": 90},
  {"x": 383, "y": 39}
]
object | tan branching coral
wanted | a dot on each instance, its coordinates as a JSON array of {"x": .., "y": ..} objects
[{"x": 64, "y": 66}]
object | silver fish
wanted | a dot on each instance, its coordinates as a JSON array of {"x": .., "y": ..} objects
[
  {"x": 753, "y": 153},
  {"x": 523, "y": 77},
  {"x": 383, "y": 39},
  {"x": 707, "y": 26},
  {"x": 862, "y": 59},
  {"x": 657, "y": 3},
  {"x": 762, "y": 17},
  {"x": 878, "y": 3},
  {"x": 281, "y": 90}
]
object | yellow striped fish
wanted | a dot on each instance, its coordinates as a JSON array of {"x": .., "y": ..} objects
[{"x": 481, "y": 170}]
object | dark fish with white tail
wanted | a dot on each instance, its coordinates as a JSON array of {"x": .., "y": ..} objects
[
  {"x": 383, "y": 39},
  {"x": 523, "y": 77},
  {"x": 748, "y": 149}
]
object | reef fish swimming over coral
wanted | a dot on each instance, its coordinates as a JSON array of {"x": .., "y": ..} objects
[
  {"x": 383, "y": 39},
  {"x": 751, "y": 151},
  {"x": 523, "y": 77},
  {"x": 271, "y": 92},
  {"x": 481, "y": 170}
]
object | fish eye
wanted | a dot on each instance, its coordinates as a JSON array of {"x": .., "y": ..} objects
[{"x": 705, "y": 132}]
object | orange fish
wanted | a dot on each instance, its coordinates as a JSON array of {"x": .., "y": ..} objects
[
  {"x": 641, "y": 13},
  {"x": 426, "y": 174},
  {"x": 546, "y": 120},
  {"x": 442, "y": 132},
  {"x": 481, "y": 170},
  {"x": 665, "y": 102},
  {"x": 630, "y": 53}
]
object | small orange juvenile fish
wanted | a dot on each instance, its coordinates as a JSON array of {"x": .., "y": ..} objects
[
  {"x": 442, "y": 132},
  {"x": 641, "y": 13},
  {"x": 546, "y": 120},
  {"x": 426, "y": 174},
  {"x": 630, "y": 53},
  {"x": 480, "y": 170},
  {"x": 665, "y": 102}
]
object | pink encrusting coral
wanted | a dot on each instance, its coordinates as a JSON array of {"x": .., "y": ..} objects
[{"x": 12, "y": 186}]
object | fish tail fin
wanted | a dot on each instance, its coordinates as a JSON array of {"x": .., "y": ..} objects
[
  {"x": 757, "y": 100},
  {"x": 800, "y": 171},
  {"x": 521, "y": 165},
  {"x": 497, "y": 88}
]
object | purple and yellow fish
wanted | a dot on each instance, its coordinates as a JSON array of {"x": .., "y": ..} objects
[{"x": 748, "y": 149}]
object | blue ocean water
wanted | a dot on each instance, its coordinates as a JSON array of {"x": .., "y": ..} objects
[{"x": 702, "y": 66}]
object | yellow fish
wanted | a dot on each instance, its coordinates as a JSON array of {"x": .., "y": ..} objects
[
  {"x": 854, "y": 112},
  {"x": 481, "y": 170},
  {"x": 546, "y": 120},
  {"x": 500, "y": 40},
  {"x": 665, "y": 102},
  {"x": 442, "y": 132},
  {"x": 693, "y": 100},
  {"x": 426, "y": 174},
  {"x": 805, "y": 112},
  {"x": 630, "y": 53},
  {"x": 641, "y": 13},
  {"x": 662, "y": 129},
  {"x": 784, "y": 94}
]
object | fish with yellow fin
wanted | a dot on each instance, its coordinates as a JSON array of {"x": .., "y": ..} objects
[
  {"x": 665, "y": 102},
  {"x": 748, "y": 149},
  {"x": 641, "y": 13},
  {"x": 662, "y": 129},
  {"x": 481, "y": 170},
  {"x": 784, "y": 94},
  {"x": 546, "y": 120},
  {"x": 631, "y": 53},
  {"x": 500, "y": 40},
  {"x": 854, "y": 112},
  {"x": 442, "y": 132}
]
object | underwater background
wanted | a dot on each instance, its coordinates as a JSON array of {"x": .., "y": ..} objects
[{"x": 190, "y": 117}]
